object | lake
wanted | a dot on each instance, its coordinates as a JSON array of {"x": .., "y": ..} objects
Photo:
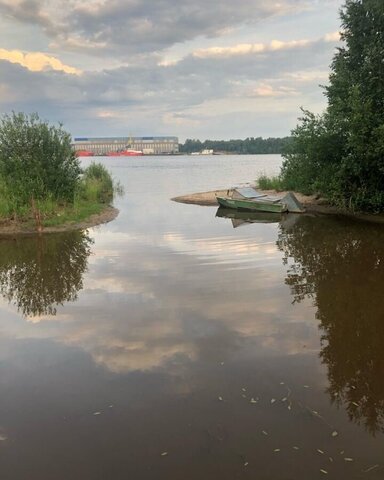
[{"x": 183, "y": 342}]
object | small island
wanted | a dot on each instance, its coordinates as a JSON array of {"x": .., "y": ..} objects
[{"x": 42, "y": 185}]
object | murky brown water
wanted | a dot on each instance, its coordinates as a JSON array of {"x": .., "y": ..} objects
[{"x": 170, "y": 345}]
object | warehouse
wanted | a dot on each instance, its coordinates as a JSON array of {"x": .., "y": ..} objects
[{"x": 148, "y": 145}]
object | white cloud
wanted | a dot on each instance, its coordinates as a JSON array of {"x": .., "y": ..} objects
[{"x": 37, "y": 61}]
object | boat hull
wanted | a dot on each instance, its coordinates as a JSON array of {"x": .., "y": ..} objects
[{"x": 252, "y": 205}]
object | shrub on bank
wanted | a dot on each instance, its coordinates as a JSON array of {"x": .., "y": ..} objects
[
  {"x": 40, "y": 177},
  {"x": 36, "y": 160}
]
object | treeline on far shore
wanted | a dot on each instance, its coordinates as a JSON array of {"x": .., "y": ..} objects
[{"x": 250, "y": 145}]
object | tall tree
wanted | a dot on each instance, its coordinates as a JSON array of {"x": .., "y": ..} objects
[{"x": 348, "y": 165}]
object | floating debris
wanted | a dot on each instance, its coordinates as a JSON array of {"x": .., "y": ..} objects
[
  {"x": 289, "y": 407},
  {"x": 253, "y": 400},
  {"x": 264, "y": 432},
  {"x": 320, "y": 451},
  {"x": 222, "y": 363},
  {"x": 246, "y": 464},
  {"x": 244, "y": 389},
  {"x": 356, "y": 404},
  {"x": 282, "y": 383},
  {"x": 295, "y": 448},
  {"x": 335, "y": 434},
  {"x": 276, "y": 450},
  {"x": 342, "y": 452},
  {"x": 348, "y": 459},
  {"x": 273, "y": 400},
  {"x": 306, "y": 386},
  {"x": 330, "y": 459},
  {"x": 96, "y": 413},
  {"x": 244, "y": 396},
  {"x": 284, "y": 399},
  {"x": 371, "y": 468},
  {"x": 110, "y": 406},
  {"x": 221, "y": 399},
  {"x": 164, "y": 454},
  {"x": 324, "y": 471},
  {"x": 3, "y": 437}
]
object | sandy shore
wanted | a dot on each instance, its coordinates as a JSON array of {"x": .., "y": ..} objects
[
  {"x": 312, "y": 203},
  {"x": 209, "y": 198},
  {"x": 9, "y": 229}
]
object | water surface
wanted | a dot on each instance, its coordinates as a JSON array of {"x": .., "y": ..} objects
[{"x": 168, "y": 344}]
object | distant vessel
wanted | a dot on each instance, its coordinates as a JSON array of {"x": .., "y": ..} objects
[
  {"x": 128, "y": 152},
  {"x": 84, "y": 153},
  {"x": 206, "y": 151}
]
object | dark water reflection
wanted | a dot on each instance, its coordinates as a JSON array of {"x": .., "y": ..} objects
[
  {"x": 39, "y": 273},
  {"x": 340, "y": 265},
  {"x": 238, "y": 352}
]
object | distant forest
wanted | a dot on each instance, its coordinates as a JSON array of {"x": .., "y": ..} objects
[{"x": 247, "y": 146}]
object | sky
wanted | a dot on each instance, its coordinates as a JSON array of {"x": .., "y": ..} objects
[{"x": 204, "y": 69}]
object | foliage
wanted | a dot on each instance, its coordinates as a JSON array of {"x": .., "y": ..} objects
[
  {"x": 96, "y": 184},
  {"x": 36, "y": 160},
  {"x": 269, "y": 183},
  {"x": 41, "y": 181},
  {"x": 341, "y": 153},
  {"x": 248, "y": 146}
]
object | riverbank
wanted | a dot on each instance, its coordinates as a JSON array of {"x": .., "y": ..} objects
[
  {"x": 209, "y": 198},
  {"x": 10, "y": 228},
  {"x": 312, "y": 203}
]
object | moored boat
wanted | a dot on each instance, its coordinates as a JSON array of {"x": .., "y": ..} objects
[
  {"x": 129, "y": 152},
  {"x": 247, "y": 198}
]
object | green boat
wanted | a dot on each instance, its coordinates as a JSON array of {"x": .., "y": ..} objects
[{"x": 247, "y": 198}]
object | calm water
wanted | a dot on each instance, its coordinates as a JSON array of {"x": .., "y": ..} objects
[{"x": 168, "y": 344}]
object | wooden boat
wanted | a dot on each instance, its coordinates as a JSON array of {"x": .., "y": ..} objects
[{"x": 247, "y": 198}]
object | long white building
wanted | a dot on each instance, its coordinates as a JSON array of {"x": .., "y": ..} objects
[{"x": 148, "y": 145}]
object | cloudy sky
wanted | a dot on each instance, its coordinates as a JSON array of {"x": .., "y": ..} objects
[{"x": 214, "y": 69}]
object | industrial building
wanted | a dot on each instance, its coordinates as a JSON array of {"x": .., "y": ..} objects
[{"x": 148, "y": 145}]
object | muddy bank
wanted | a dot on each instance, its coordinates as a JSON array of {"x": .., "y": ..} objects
[
  {"x": 312, "y": 203},
  {"x": 209, "y": 198},
  {"x": 11, "y": 228}
]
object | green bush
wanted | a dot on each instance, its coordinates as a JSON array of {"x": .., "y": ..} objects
[
  {"x": 269, "y": 183},
  {"x": 36, "y": 160},
  {"x": 96, "y": 184}
]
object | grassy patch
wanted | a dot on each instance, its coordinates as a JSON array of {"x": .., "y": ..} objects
[
  {"x": 270, "y": 183},
  {"x": 95, "y": 190}
]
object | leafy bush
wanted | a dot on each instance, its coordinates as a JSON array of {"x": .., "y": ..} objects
[
  {"x": 97, "y": 184},
  {"x": 269, "y": 183},
  {"x": 36, "y": 160}
]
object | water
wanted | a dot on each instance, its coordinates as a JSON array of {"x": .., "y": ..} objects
[{"x": 168, "y": 344}]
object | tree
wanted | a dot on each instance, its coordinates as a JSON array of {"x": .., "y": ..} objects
[
  {"x": 36, "y": 160},
  {"x": 344, "y": 159}
]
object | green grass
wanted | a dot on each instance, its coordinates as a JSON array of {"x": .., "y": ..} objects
[
  {"x": 269, "y": 183},
  {"x": 94, "y": 192}
]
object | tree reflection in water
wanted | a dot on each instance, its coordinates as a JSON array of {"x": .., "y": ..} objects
[
  {"x": 340, "y": 264},
  {"x": 41, "y": 272}
]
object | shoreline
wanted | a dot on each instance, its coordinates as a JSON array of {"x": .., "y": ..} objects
[
  {"x": 312, "y": 203},
  {"x": 9, "y": 228}
]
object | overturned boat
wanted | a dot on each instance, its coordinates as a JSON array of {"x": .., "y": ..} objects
[{"x": 247, "y": 198}]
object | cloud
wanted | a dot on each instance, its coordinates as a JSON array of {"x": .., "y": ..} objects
[
  {"x": 36, "y": 61},
  {"x": 188, "y": 95},
  {"x": 122, "y": 28},
  {"x": 265, "y": 90},
  {"x": 249, "y": 49}
]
